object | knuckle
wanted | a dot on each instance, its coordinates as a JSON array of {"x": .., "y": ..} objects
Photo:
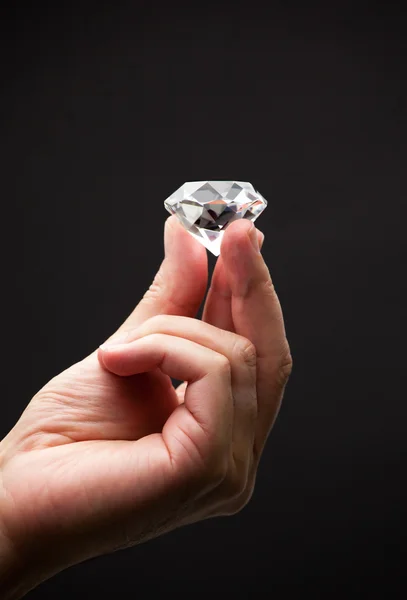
[
  {"x": 286, "y": 370},
  {"x": 222, "y": 363},
  {"x": 155, "y": 338},
  {"x": 247, "y": 352},
  {"x": 286, "y": 365},
  {"x": 156, "y": 288},
  {"x": 268, "y": 287}
]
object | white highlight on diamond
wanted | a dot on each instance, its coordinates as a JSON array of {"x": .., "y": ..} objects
[{"x": 206, "y": 208}]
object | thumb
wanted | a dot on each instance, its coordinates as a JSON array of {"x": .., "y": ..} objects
[{"x": 180, "y": 283}]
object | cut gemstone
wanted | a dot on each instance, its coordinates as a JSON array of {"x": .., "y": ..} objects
[{"x": 206, "y": 208}]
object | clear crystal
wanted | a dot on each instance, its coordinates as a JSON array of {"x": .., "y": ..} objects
[{"x": 206, "y": 208}]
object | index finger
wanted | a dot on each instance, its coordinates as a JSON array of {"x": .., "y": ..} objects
[
  {"x": 217, "y": 309},
  {"x": 257, "y": 315}
]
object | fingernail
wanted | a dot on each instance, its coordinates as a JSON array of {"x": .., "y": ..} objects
[
  {"x": 253, "y": 238},
  {"x": 261, "y": 238},
  {"x": 167, "y": 235}
]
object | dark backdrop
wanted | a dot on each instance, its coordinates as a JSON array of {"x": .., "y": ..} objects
[{"x": 106, "y": 110}]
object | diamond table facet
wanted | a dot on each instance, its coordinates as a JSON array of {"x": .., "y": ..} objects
[{"x": 206, "y": 208}]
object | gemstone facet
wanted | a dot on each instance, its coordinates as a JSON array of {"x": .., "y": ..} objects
[{"x": 206, "y": 208}]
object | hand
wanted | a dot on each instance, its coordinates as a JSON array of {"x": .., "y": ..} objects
[{"x": 109, "y": 454}]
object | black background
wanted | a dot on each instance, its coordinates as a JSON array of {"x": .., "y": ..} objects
[{"x": 105, "y": 110}]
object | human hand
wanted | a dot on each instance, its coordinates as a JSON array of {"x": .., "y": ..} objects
[{"x": 109, "y": 454}]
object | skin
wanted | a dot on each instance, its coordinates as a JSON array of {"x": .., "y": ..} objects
[{"x": 109, "y": 454}]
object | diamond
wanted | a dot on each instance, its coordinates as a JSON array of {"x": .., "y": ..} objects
[{"x": 206, "y": 208}]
